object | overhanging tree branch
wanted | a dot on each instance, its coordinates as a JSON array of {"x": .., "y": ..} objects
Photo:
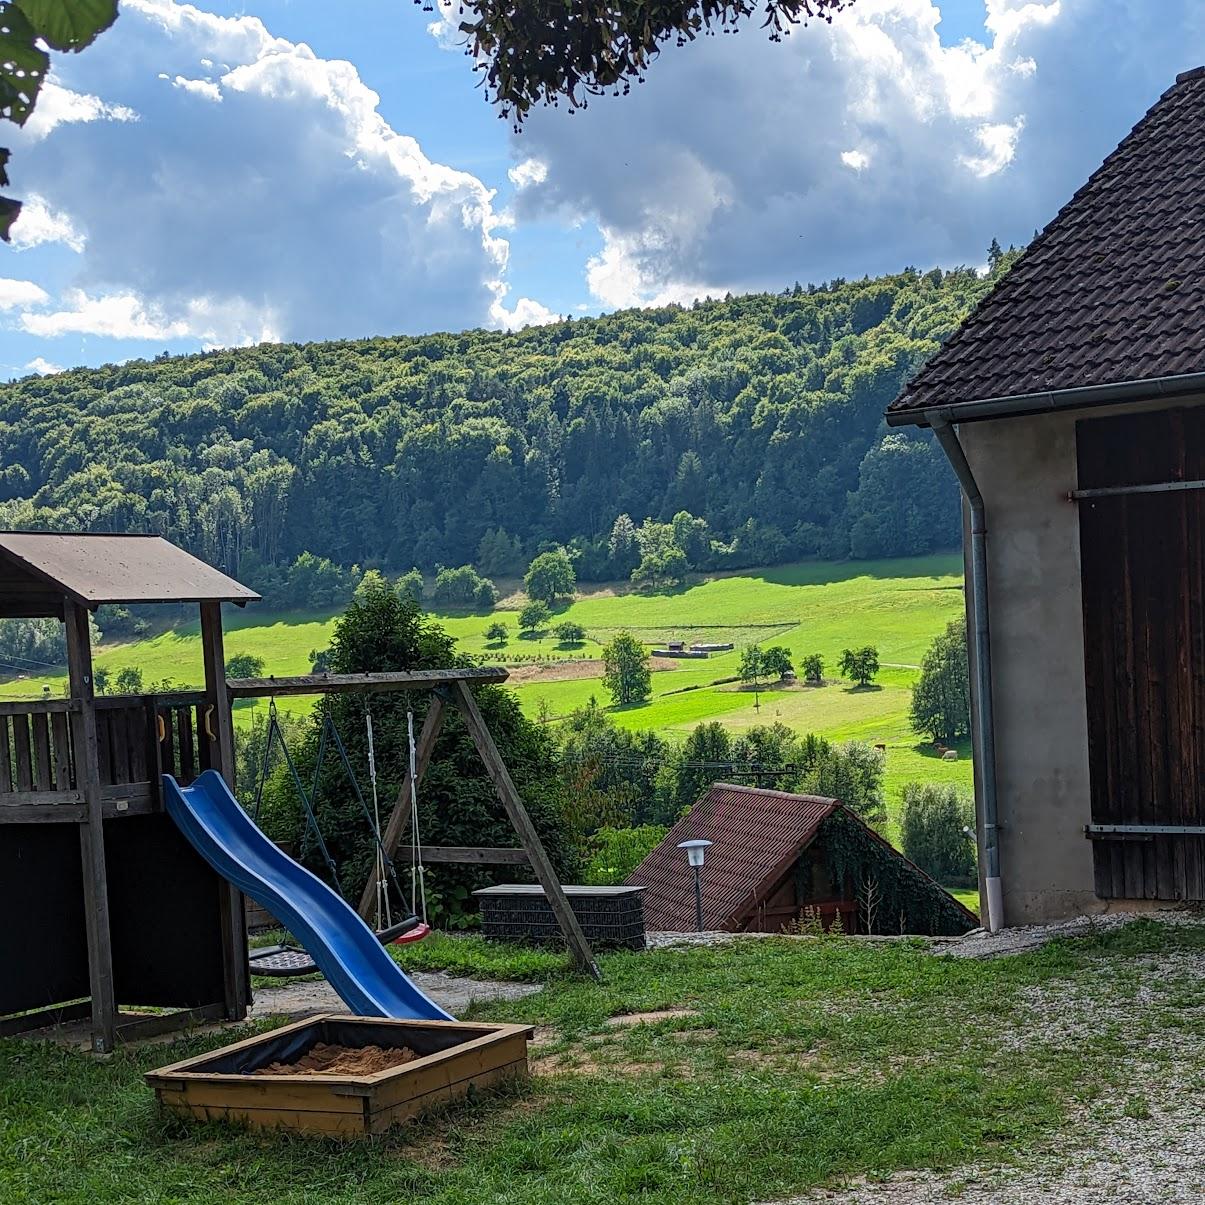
[
  {"x": 542, "y": 51},
  {"x": 28, "y": 28}
]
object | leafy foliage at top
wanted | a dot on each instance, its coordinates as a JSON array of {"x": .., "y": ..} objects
[
  {"x": 543, "y": 50},
  {"x": 759, "y": 417},
  {"x": 25, "y": 26}
]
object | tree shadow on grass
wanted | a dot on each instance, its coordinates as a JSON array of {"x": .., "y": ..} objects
[
  {"x": 858, "y": 689},
  {"x": 815, "y": 572},
  {"x": 962, "y": 746}
]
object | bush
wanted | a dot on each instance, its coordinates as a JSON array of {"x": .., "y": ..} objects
[
  {"x": 463, "y": 587},
  {"x": 618, "y": 851},
  {"x": 933, "y": 832}
]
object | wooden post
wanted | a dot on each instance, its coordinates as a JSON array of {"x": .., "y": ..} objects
[
  {"x": 399, "y": 818},
  {"x": 92, "y": 833},
  {"x": 575, "y": 939},
  {"x": 219, "y": 733}
]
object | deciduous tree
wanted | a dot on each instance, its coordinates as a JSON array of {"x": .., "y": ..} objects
[
  {"x": 934, "y": 831},
  {"x": 776, "y": 660},
  {"x": 941, "y": 695},
  {"x": 534, "y": 617},
  {"x": 860, "y": 664},
  {"x": 626, "y": 673},
  {"x": 543, "y": 51},
  {"x": 128, "y": 680},
  {"x": 550, "y": 577},
  {"x": 244, "y": 665},
  {"x": 28, "y": 29}
]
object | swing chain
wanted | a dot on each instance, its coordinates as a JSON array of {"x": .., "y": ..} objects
[
  {"x": 386, "y": 871},
  {"x": 418, "y": 881},
  {"x": 276, "y": 733}
]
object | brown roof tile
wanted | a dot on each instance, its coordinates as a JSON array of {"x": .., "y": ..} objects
[
  {"x": 1112, "y": 290},
  {"x": 754, "y": 830}
]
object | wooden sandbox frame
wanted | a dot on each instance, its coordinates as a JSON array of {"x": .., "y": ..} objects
[{"x": 456, "y": 1059}]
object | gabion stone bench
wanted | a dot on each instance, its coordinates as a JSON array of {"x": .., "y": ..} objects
[{"x": 609, "y": 916}]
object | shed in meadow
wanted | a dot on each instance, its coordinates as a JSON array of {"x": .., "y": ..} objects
[{"x": 778, "y": 860}]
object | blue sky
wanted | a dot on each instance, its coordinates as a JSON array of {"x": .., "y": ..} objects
[{"x": 288, "y": 169}]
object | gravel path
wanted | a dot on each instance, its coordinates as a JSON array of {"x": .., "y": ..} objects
[
  {"x": 1143, "y": 1144},
  {"x": 453, "y": 992}
]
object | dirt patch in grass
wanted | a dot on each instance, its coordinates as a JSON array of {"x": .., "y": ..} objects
[
  {"x": 591, "y": 1062},
  {"x": 624, "y": 1020}
]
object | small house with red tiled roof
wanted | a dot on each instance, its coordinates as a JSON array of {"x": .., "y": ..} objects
[
  {"x": 778, "y": 859},
  {"x": 1071, "y": 405}
]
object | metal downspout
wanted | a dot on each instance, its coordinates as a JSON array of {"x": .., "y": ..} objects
[{"x": 981, "y": 635}]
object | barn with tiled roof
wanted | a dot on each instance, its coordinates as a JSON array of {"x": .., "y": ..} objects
[
  {"x": 1070, "y": 406},
  {"x": 777, "y": 860}
]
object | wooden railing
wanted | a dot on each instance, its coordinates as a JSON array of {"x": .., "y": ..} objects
[{"x": 139, "y": 737}]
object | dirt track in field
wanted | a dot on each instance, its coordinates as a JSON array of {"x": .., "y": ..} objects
[{"x": 569, "y": 671}]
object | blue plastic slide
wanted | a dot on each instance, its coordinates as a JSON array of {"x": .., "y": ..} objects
[{"x": 345, "y": 949}]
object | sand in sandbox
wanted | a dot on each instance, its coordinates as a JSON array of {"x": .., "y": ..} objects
[{"x": 325, "y": 1059}]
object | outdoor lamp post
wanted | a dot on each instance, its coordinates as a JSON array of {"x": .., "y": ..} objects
[{"x": 696, "y": 850}]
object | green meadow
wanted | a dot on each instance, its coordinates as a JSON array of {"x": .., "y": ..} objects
[{"x": 896, "y": 605}]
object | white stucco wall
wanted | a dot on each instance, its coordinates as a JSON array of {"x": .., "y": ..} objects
[{"x": 1025, "y": 467}]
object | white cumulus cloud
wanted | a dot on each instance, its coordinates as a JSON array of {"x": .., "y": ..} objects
[
  {"x": 18, "y": 294},
  {"x": 290, "y": 210},
  {"x": 856, "y": 147},
  {"x": 39, "y": 224},
  {"x": 528, "y": 172},
  {"x": 204, "y": 88},
  {"x": 115, "y": 315},
  {"x": 59, "y": 106},
  {"x": 43, "y": 367},
  {"x": 525, "y": 312}
]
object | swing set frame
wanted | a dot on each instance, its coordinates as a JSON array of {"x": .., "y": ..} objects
[{"x": 450, "y": 688}]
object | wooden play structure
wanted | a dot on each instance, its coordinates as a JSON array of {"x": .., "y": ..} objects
[{"x": 84, "y": 838}]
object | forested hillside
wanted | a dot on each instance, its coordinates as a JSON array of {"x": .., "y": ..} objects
[{"x": 759, "y": 415}]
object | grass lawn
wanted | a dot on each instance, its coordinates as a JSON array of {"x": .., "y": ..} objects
[
  {"x": 896, "y": 605},
  {"x": 793, "y": 1064}
]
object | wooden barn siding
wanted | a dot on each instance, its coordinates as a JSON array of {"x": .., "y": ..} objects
[{"x": 1143, "y": 580}]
